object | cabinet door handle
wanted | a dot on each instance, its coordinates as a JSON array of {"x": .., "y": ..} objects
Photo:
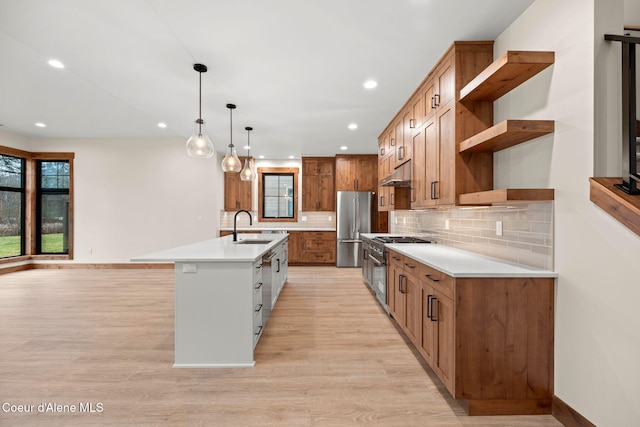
[
  {"x": 430, "y": 277},
  {"x": 259, "y": 286},
  {"x": 259, "y": 330},
  {"x": 412, "y": 196},
  {"x": 364, "y": 255},
  {"x": 433, "y": 105},
  {"x": 409, "y": 265},
  {"x": 401, "y": 152},
  {"x": 429, "y": 306},
  {"x": 258, "y": 308},
  {"x": 393, "y": 142},
  {"x": 278, "y": 261},
  {"x": 412, "y": 123},
  {"x": 433, "y": 312},
  {"x": 400, "y": 282},
  {"x": 436, "y": 99},
  {"x": 382, "y": 200},
  {"x": 259, "y": 267},
  {"x": 382, "y": 151},
  {"x": 393, "y": 198}
]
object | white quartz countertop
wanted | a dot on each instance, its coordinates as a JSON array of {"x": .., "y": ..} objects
[
  {"x": 259, "y": 229},
  {"x": 459, "y": 263},
  {"x": 222, "y": 249}
]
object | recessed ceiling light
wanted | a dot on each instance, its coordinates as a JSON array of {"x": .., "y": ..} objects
[
  {"x": 261, "y": 156},
  {"x": 41, "y": 125},
  {"x": 246, "y": 147},
  {"x": 370, "y": 84},
  {"x": 291, "y": 157},
  {"x": 55, "y": 63},
  {"x": 344, "y": 147},
  {"x": 162, "y": 125},
  {"x": 353, "y": 126}
]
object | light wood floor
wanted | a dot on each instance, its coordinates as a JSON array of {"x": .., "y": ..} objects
[{"x": 329, "y": 356}]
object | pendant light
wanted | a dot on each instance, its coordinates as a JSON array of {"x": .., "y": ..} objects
[
  {"x": 231, "y": 162},
  {"x": 247, "y": 173},
  {"x": 199, "y": 144}
]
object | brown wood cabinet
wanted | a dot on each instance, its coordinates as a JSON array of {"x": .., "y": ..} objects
[
  {"x": 296, "y": 239},
  {"x": 356, "y": 172},
  {"x": 318, "y": 184},
  {"x": 237, "y": 193},
  {"x": 433, "y": 121},
  {"x": 489, "y": 340},
  {"x": 312, "y": 247}
]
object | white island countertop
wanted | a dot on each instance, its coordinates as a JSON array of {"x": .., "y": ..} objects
[
  {"x": 459, "y": 263},
  {"x": 222, "y": 249}
]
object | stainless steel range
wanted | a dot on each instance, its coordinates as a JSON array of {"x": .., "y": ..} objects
[{"x": 374, "y": 262}]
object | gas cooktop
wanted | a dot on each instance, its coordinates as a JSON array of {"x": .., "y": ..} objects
[{"x": 400, "y": 239}]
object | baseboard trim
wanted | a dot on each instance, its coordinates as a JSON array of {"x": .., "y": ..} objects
[
  {"x": 85, "y": 266},
  {"x": 568, "y": 416}
]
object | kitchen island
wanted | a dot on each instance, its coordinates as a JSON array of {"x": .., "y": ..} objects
[{"x": 224, "y": 293}]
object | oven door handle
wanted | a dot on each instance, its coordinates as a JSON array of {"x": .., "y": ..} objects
[{"x": 374, "y": 259}]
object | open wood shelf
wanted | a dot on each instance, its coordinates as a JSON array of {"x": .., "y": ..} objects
[
  {"x": 506, "y": 73},
  {"x": 506, "y": 134},
  {"x": 622, "y": 206},
  {"x": 507, "y": 195}
]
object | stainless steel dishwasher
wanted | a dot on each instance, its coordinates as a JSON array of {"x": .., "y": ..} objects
[{"x": 267, "y": 279}]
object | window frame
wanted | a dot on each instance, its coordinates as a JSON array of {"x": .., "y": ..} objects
[
  {"x": 30, "y": 200},
  {"x": 277, "y": 171},
  {"x": 40, "y": 192},
  {"x": 22, "y": 190}
]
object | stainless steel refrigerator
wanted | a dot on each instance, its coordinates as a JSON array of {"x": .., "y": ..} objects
[{"x": 353, "y": 215}]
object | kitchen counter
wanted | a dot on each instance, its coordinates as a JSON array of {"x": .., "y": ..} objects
[
  {"x": 259, "y": 229},
  {"x": 224, "y": 292},
  {"x": 219, "y": 249},
  {"x": 459, "y": 263}
]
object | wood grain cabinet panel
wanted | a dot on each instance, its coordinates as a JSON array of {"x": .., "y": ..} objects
[
  {"x": 237, "y": 193},
  {"x": 318, "y": 184},
  {"x": 357, "y": 172},
  {"x": 489, "y": 340}
]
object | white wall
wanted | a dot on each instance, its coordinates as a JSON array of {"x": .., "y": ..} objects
[
  {"x": 136, "y": 196},
  {"x": 597, "y": 341}
]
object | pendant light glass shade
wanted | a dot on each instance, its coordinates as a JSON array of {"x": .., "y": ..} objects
[
  {"x": 199, "y": 144},
  {"x": 231, "y": 162},
  {"x": 248, "y": 171}
]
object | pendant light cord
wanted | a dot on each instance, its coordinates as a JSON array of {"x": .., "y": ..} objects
[{"x": 200, "y": 105}]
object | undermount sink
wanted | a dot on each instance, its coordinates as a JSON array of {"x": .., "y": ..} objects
[{"x": 253, "y": 242}]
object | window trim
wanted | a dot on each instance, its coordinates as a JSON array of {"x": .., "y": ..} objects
[
  {"x": 31, "y": 222},
  {"x": 22, "y": 190},
  {"x": 262, "y": 171}
]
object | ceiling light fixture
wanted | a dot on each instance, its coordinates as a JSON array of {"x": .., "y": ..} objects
[
  {"x": 247, "y": 173},
  {"x": 199, "y": 144},
  {"x": 231, "y": 162},
  {"x": 344, "y": 148},
  {"x": 41, "y": 125},
  {"x": 162, "y": 125},
  {"x": 370, "y": 84},
  {"x": 291, "y": 157},
  {"x": 353, "y": 126},
  {"x": 55, "y": 63}
]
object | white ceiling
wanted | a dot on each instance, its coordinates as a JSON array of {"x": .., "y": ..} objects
[{"x": 294, "y": 68}]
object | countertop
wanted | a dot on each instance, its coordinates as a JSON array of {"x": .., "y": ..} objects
[
  {"x": 222, "y": 249},
  {"x": 259, "y": 229},
  {"x": 459, "y": 263}
]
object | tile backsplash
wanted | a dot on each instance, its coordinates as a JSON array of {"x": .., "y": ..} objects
[
  {"x": 527, "y": 230},
  {"x": 313, "y": 220}
]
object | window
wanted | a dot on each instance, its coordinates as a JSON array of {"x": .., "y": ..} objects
[
  {"x": 277, "y": 194},
  {"x": 52, "y": 207},
  {"x": 36, "y": 205},
  {"x": 12, "y": 201}
]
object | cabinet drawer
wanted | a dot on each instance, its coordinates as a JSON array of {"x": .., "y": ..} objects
[
  {"x": 321, "y": 243},
  {"x": 257, "y": 293},
  {"x": 437, "y": 279},
  {"x": 319, "y": 256}
]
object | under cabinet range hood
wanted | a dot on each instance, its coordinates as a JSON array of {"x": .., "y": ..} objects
[{"x": 400, "y": 177}]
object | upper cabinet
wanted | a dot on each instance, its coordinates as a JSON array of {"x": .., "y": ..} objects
[
  {"x": 446, "y": 128},
  {"x": 318, "y": 184},
  {"x": 237, "y": 193},
  {"x": 356, "y": 172}
]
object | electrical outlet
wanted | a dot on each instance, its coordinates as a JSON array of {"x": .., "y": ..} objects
[
  {"x": 330, "y": 218},
  {"x": 90, "y": 251},
  {"x": 189, "y": 268},
  {"x": 498, "y": 228},
  {"x": 304, "y": 219},
  {"x": 446, "y": 224}
]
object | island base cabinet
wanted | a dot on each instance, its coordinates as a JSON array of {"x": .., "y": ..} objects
[
  {"x": 214, "y": 314},
  {"x": 504, "y": 345}
]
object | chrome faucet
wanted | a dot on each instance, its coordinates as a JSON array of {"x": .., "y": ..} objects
[{"x": 235, "y": 221}]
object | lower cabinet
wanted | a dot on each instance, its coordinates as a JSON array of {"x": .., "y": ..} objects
[
  {"x": 489, "y": 340},
  {"x": 312, "y": 247}
]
